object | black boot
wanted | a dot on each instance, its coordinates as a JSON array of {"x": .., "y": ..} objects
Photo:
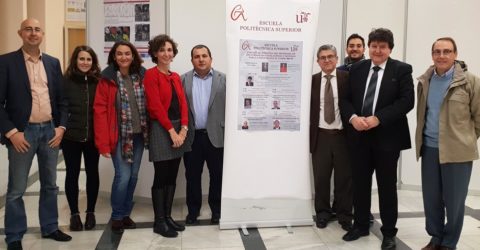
[
  {"x": 169, "y": 194},
  {"x": 160, "y": 226}
]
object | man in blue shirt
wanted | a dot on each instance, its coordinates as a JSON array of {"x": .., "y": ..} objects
[{"x": 205, "y": 91}]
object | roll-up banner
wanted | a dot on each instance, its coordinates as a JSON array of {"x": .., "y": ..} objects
[{"x": 266, "y": 175}]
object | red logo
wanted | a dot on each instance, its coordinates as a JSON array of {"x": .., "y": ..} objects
[
  {"x": 303, "y": 17},
  {"x": 237, "y": 12}
]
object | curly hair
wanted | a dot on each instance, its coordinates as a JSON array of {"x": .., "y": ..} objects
[
  {"x": 158, "y": 42},
  {"x": 136, "y": 63}
]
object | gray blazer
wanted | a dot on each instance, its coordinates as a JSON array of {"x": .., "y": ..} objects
[{"x": 216, "y": 106}]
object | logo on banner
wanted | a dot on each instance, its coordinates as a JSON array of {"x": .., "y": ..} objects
[
  {"x": 237, "y": 12},
  {"x": 303, "y": 17},
  {"x": 245, "y": 45}
]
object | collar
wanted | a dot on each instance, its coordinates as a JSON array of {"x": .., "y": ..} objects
[
  {"x": 210, "y": 73},
  {"x": 449, "y": 72},
  {"x": 28, "y": 57},
  {"x": 334, "y": 73},
  {"x": 382, "y": 65}
]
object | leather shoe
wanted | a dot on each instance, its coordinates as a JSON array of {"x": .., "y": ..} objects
[
  {"x": 117, "y": 226},
  {"x": 76, "y": 223},
  {"x": 58, "y": 236},
  {"x": 128, "y": 223},
  {"x": 431, "y": 246},
  {"x": 16, "y": 245},
  {"x": 321, "y": 223},
  {"x": 215, "y": 219},
  {"x": 90, "y": 221},
  {"x": 354, "y": 234},
  {"x": 346, "y": 225},
  {"x": 389, "y": 243},
  {"x": 191, "y": 220}
]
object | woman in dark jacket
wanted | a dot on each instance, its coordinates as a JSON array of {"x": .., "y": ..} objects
[{"x": 81, "y": 78}]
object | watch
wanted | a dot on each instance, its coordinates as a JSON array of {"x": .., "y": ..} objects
[{"x": 185, "y": 127}]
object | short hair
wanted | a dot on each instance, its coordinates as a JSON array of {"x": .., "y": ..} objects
[
  {"x": 381, "y": 35},
  {"x": 158, "y": 42},
  {"x": 72, "y": 67},
  {"x": 326, "y": 47},
  {"x": 200, "y": 46},
  {"x": 250, "y": 77},
  {"x": 136, "y": 62},
  {"x": 446, "y": 39},
  {"x": 356, "y": 36}
]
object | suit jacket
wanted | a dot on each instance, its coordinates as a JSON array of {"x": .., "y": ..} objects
[
  {"x": 342, "y": 81},
  {"x": 395, "y": 99},
  {"x": 16, "y": 95},
  {"x": 216, "y": 106}
]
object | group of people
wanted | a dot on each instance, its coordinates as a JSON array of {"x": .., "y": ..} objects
[
  {"x": 115, "y": 113},
  {"x": 358, "y": 126}
]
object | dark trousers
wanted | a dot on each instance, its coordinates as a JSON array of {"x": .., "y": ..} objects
[
  {"x": 72, "y": 153},
  {"x": 445, "y": 188},
  {"x": 165, "y": 173},
  {"x": 203, "y": 151},
  {"x": 366, "y": 159},
  {"x": 331, "y": 154}
]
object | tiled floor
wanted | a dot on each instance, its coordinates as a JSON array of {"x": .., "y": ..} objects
[{"x": 411, "y": 234}]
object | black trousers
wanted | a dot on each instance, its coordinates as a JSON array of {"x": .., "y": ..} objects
[
  {"x": 72, "y": 153},
  {"x": 203, "y": 151},
  {"x": 331, "y": 154},
  {"x": 366, "y": 159}
]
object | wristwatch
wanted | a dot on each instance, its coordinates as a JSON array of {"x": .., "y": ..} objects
[{"x": 185, "y": 127}]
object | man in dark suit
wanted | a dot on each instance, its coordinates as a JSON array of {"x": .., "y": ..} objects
[
  {"x": 328, "y": 142},
  {"x": 379, "y": 96},
  {"x": 205, "y": 90},
  {"x": 33, "y": 114}
]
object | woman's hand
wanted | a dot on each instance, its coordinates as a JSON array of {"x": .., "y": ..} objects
[{"x": 176, "y": 138}]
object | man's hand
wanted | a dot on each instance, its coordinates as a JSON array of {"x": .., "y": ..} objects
[
  {"x": 19, "y": 143},
  {"x": 372, "y": 122},
  {"x": 359, "y": 123},
  {"x": 57, "y": 139}
]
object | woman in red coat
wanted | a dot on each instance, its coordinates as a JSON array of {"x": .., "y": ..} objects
[
  {"x": 167, "y": 106},
  {"x": 121, "y": 127}
]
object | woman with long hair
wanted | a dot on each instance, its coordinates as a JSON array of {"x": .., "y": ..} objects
[
  {"x": 80, "y": 83},
  {"x": 121, "y": 127},
  {"x": 168, "y": 111}
]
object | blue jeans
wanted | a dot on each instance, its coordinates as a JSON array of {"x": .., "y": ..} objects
[
  {"x": 125, "y": 179},
  {"x": 445, "y": 188},
  {"x": 19, "y": 165}
]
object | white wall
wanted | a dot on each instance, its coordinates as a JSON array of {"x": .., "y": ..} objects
[{"x": 193, "y": 22}]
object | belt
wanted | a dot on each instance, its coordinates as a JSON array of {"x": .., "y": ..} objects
[
  {"x": 40, "y": 123},
  {"x": 330, "y": 131},
  {"x": 204, "y": 131}
]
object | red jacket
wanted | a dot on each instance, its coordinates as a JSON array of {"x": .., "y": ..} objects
[
  {"x": 158, "y": 91},
  {"x": 105, "y": 116}
]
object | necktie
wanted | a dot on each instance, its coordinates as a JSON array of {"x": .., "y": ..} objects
[
  {"x": 367, "y": 109},
  {"x": 329, "y": 108}
]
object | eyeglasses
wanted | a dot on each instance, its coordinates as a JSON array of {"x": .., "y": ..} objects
[
  {"x": 445, "y": 52},
  {"x": 32, "y": 29},
  {"x": 325, "y": 58}
]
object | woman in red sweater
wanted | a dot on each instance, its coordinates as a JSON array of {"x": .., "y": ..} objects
[{"x": 168, "y": 111}]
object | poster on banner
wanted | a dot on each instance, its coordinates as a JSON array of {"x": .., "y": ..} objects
[
  {"x": 127, "y": 20},
  {"x": 76, "y": 10},
  {"x": 269, "y": 85}
]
